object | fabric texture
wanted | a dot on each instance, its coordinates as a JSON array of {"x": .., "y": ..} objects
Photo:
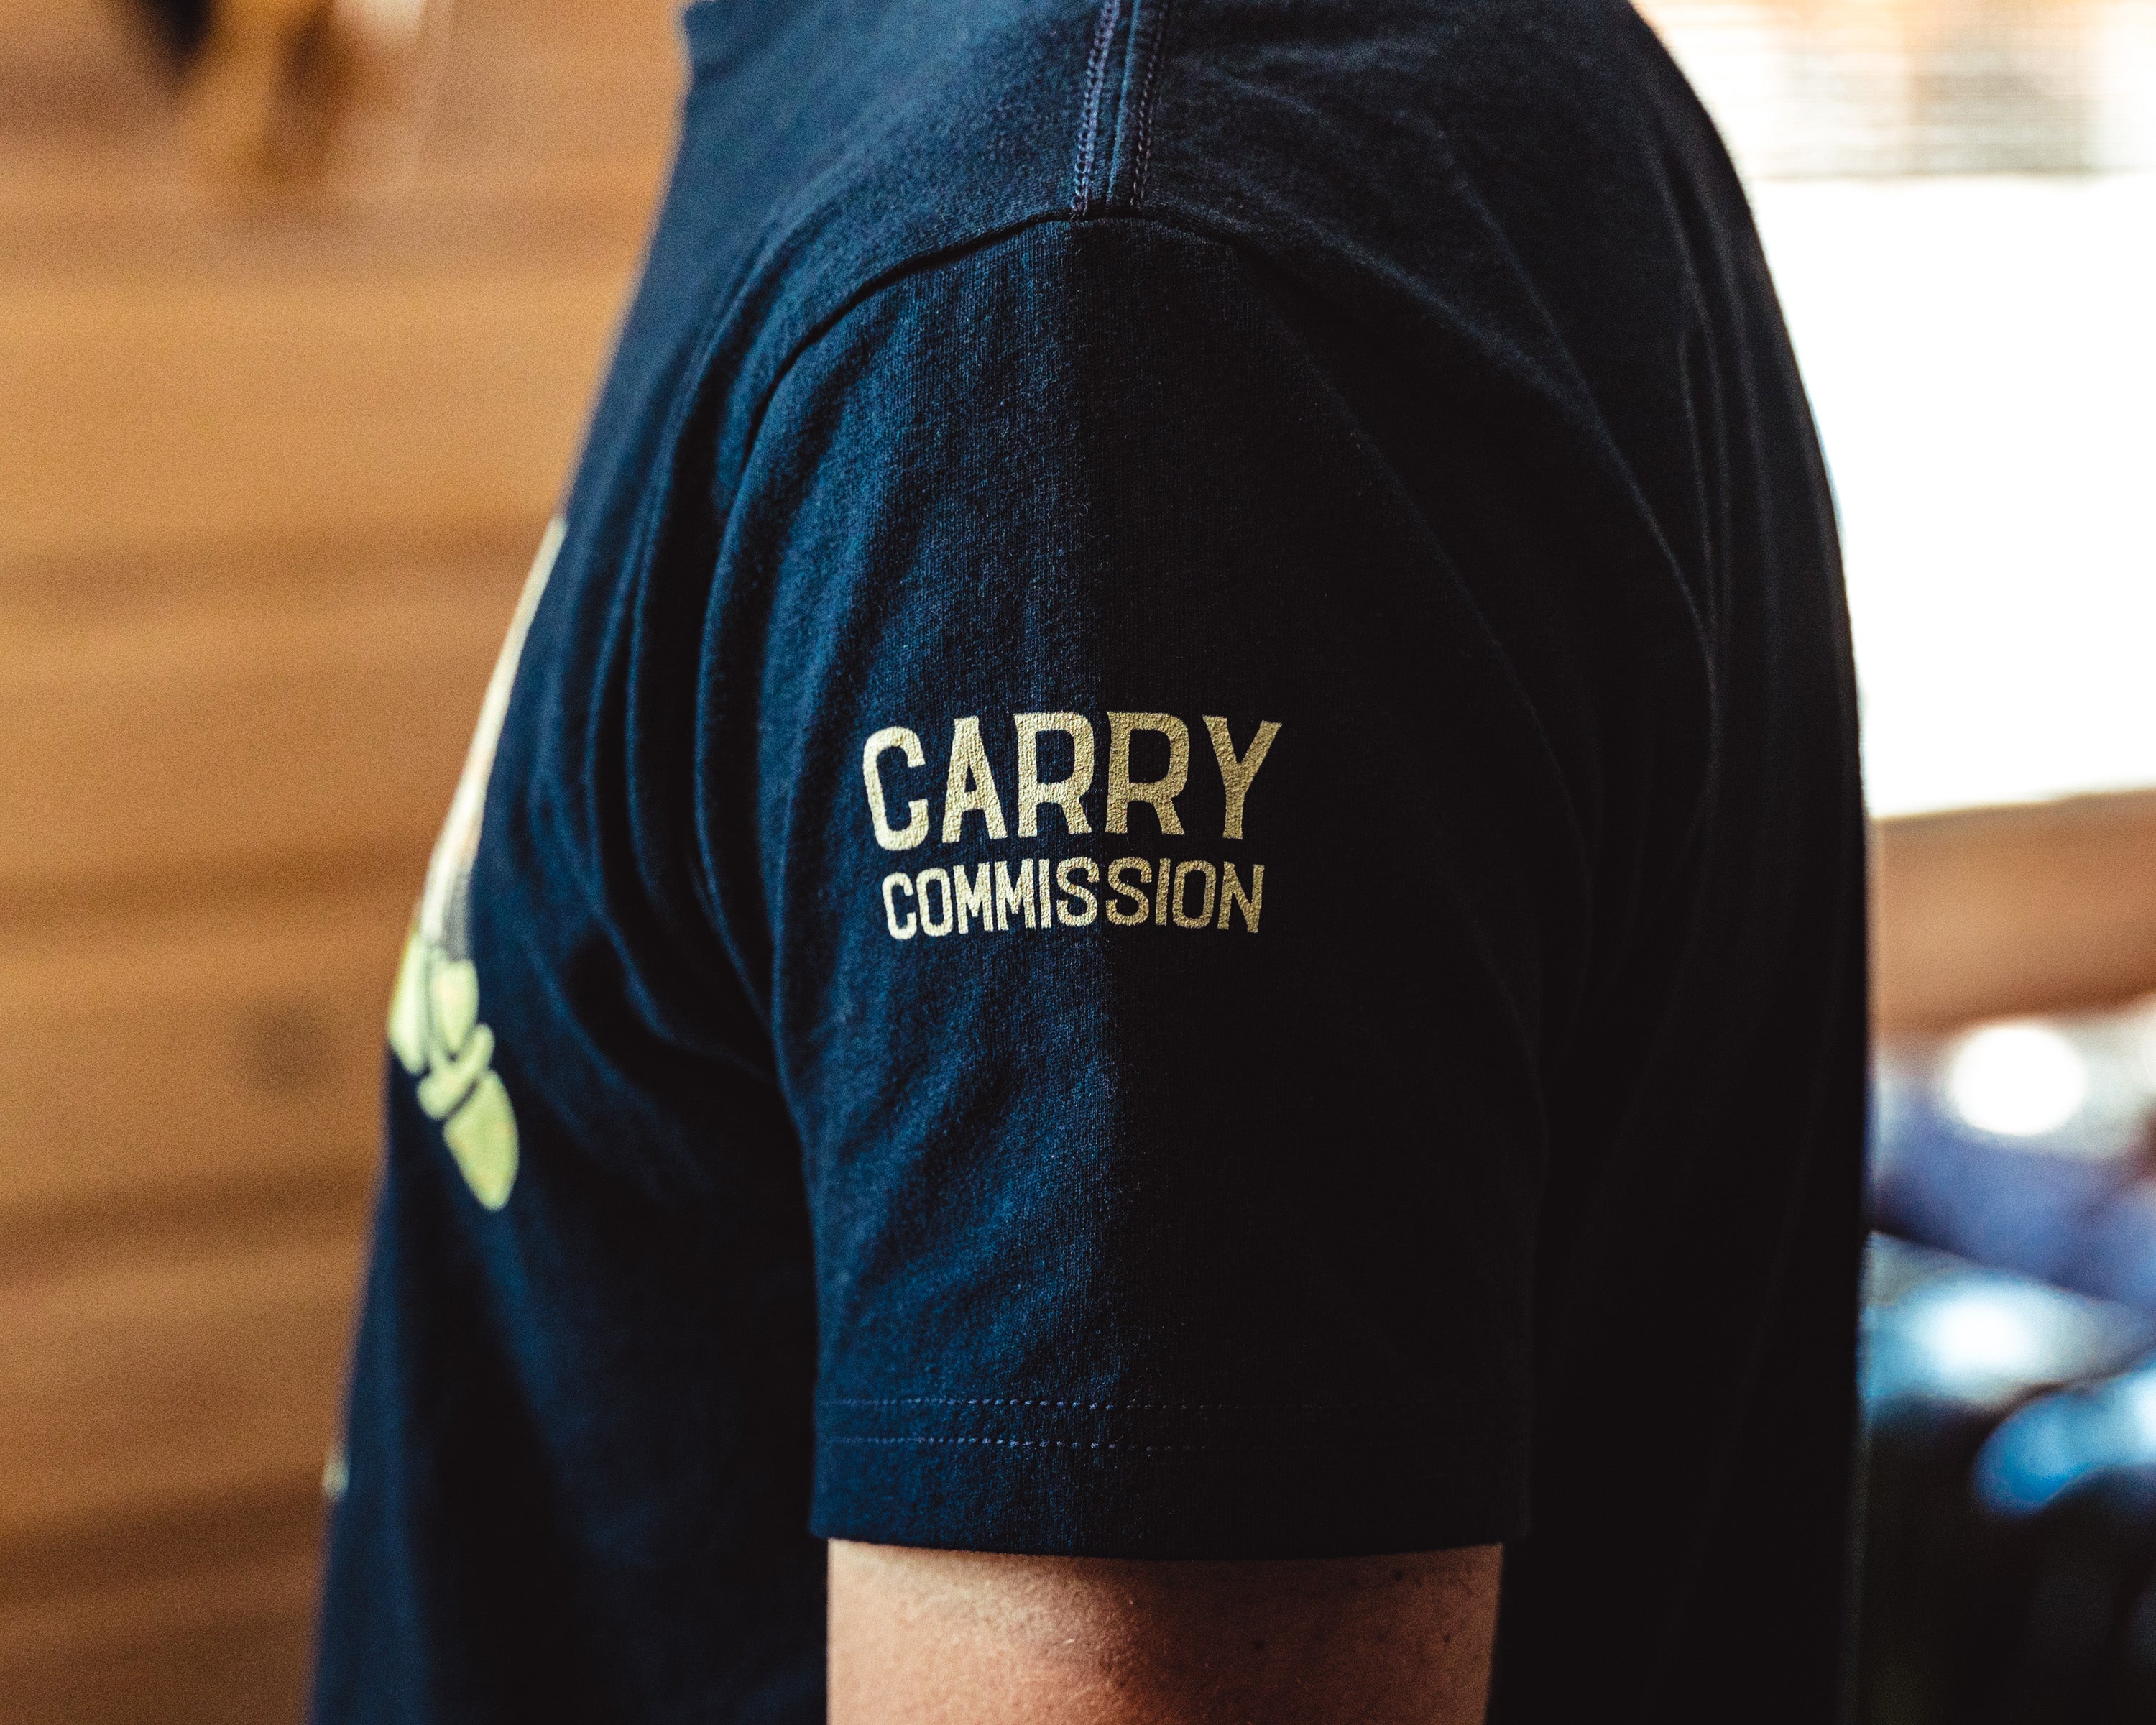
[{"x": 1168, "y": 863}]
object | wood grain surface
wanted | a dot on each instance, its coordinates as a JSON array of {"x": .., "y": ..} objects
[
  {"x": 269, "y": 478},
  {"x": 1986, "y": 913}
]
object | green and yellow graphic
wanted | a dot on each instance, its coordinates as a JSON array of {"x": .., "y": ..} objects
[{"x": 435, "y": 1025}]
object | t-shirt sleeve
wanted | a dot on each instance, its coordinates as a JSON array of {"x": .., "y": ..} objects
[{"x": 1155, "y": 882}]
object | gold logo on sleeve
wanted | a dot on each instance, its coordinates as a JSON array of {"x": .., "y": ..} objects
[{"x": 434, "y": 1025}]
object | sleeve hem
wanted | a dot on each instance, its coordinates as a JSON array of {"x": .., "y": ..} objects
[{"x": 1225, "y": 1493}]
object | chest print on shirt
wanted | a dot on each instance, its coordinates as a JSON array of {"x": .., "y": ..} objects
[{"x": 434, "y": 1025}]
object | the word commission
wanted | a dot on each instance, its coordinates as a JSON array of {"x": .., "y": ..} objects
[{"x": 1025, "y": 892}]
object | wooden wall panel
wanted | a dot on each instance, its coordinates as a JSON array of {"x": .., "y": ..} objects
[
  {"x": 225, "y": 1643},
  {"x": 270, "y": 477},
  {"x": 1988, "y": 912},
  {"x": 171, "y": 1376},
  {"x": 189, "y": 1054},
  {"x": 176, "y": 373},
  {"x": 240, "y": 731},
  {"x": 162, "y": 416},
  {"x": 159, "y": 1508}
]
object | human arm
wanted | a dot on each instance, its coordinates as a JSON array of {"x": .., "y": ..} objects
[
  {"x": 1165, "y": 881},
  {"x": 926, "y": 1637}
]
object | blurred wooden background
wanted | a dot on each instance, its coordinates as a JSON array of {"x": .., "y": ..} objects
[{"x": 268, "y": 482}]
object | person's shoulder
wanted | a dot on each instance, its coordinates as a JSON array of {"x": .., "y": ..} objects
[
  {"x": 1379, "y": 154},
  {"x": 863, "y": 136},
  {"x": 1389, "y": 146},
  {"x": 897, "y": 129},
  {"x": 833, "y": 149}
]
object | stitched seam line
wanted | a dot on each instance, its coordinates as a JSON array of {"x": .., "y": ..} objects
[
  {"x": 982, "y": 1401},
  {"x": 1384, "y": 1443},
  {"x": 1157, "y": 51},
  {"x": 1018, "y": 1443},
  {"x": 1096, "y": 72}
]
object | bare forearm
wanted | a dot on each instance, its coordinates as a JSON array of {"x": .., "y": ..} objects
[{"x": 922, "y": 1637}]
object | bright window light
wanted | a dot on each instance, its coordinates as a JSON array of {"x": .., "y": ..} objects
[
  {"x": 2016, "y": 1080},
  {"x": 1981, "y": 1339},
  {"x": 1960, "y": 202}
]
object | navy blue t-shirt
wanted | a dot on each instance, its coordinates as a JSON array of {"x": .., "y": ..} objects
[{"x": 1166, "y": 863}]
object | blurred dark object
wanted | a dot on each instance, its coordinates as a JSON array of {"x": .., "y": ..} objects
[
  {"x": 2024, "y": 1145},
  {"x": 2009, "y": 1573},
  {"x": 181, "y": 24},
  {"x": 2011, "y": 1541},
  {"x": 280, "y": 94}
]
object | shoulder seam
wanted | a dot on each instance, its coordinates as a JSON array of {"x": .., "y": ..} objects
[
  {"x": 1105, "y": 27},
  {"x": 1115, "y": 115},
  {"x": 1155, "y": 51},
  {"x": 916, "y": 264}
]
